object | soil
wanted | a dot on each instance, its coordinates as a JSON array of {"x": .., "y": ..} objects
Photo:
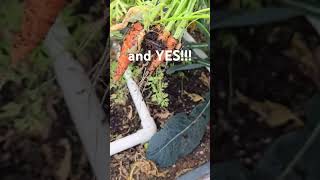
[
  {"x": 124, "y": 120},
  {"x": 260, "y": 71},
  {"x": 181, "y": 102},
  {"x": 151, "y": 41},
  {"x": 25, "y": 157}
]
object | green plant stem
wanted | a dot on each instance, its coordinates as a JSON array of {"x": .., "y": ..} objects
[
  {"x": 201, "y": 11},
  {"x": 191, "y": 17},
  {"x": 171, "y": 8},
  {"x": 181, "y": 27},
  {"x": 177, "y": 12},
  {"x": 203, "y": 29},
  {"x": 150, "y": 19}
]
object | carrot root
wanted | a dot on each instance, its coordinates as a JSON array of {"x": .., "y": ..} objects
[
  {"x": 131, "y": 43},
  {"x": 155, "y": 63},
  {"x": 37, "y": 19}
]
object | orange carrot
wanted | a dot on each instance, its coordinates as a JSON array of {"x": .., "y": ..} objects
[
  {"x": 171, "y": 43},
  {"x": 164, "y": 36},
  {"x": 37, "y": 19},
  {"x": 156, "y": 61},
  {"x": 131, "y": 44}
]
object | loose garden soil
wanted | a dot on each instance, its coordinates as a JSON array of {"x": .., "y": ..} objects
[{"x": 27, "y": 157}]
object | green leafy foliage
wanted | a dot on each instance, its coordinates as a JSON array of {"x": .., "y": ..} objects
[
  {"x": 119, "y": 89},
  {"x": 175, "y": 15},
  {"x": 24, "y": 88},
  {"x": 158, "y": 89},
  {"x": 85, "y": 30},
  {"x": 30, "y": 86},
  {"x": 180, "y": 136},
  {"x": 269, "y": 14},
  {"x": 118, "y": 9},
  {"x": 244, "y": 17},
  {"x": 27, "y": 112}
]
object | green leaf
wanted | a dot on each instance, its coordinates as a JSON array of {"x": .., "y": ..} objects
[
  {"x": 203, "y": 28},
  {"x": 183, "y": 67},
  {"x": 180, "y": 136},
  {"x": 225, "y": 19},
  {"x": 197, "y": 45}
]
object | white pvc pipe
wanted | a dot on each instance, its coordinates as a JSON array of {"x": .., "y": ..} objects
[
  {"x": 202, "y": 55},
  {"x": 149, "y": 127},
  {"x": 82, "y": 102}
]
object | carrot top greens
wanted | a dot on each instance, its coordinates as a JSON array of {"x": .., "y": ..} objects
[{"x": 174, "y": 15}]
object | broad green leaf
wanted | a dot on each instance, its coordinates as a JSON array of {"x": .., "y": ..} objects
[
  {"x": 224, "y": 19},
  {"x": 180, "y": 136}
]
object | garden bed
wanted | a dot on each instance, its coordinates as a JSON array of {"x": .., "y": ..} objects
[
  {"x": 195, "y": 82},
  {"x": 124, "y": 120},
  {"x": 174, "y": 93}
]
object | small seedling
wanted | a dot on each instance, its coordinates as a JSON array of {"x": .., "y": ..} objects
[{"x": 157, "y": 87}]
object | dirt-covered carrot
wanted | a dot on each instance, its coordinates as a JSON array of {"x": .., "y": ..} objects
[
  {"x": 156, "y": 61},
  {"x": 171, "y": 40},
  {"x": 178, "y": 15},
  {"x": 131, "y": 44},
  {"x": 37, "y": 19}
]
